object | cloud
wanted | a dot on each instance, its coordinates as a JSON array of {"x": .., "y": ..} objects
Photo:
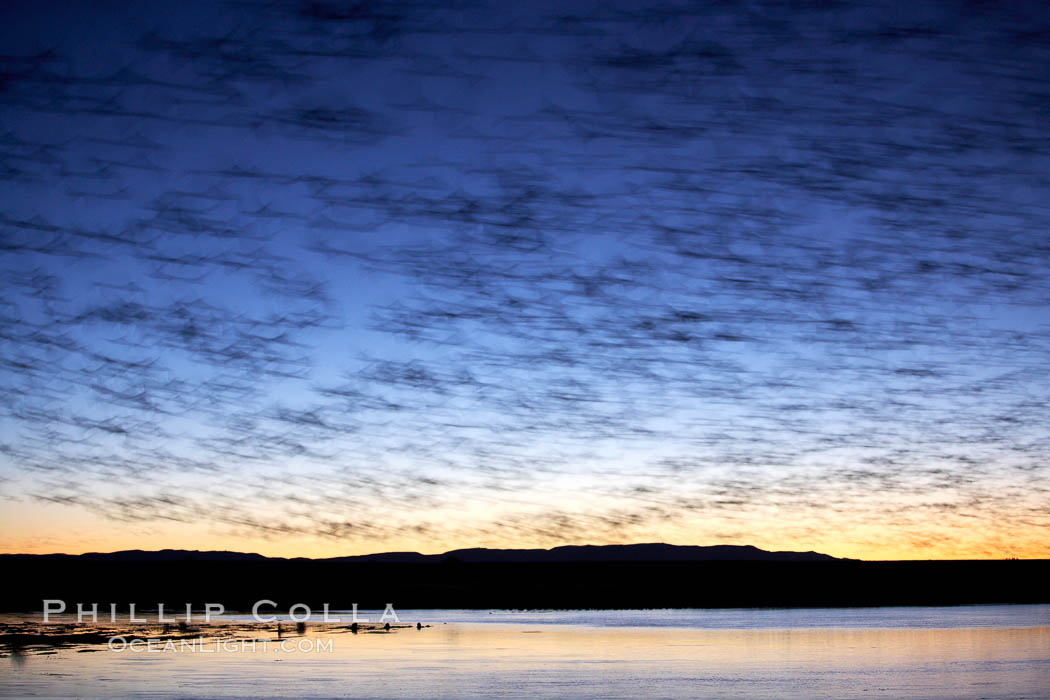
[{"x": 712, "y": 266}]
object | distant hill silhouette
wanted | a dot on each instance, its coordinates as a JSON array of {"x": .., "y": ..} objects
[
  {"x": 611, "y": 577},
  {"x": 141, "y": 555},
  {"x": 655, "y": 552},
  {"x": 651, "y": 552}
]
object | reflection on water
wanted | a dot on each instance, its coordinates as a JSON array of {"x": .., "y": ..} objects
[
  {"x": 761, "y": 618},
  {"x": 501, "y": 659}
]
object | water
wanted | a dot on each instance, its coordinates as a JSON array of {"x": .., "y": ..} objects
[
  {"x": 752, "y": 618},
  {"x": 973, "y": 651}
]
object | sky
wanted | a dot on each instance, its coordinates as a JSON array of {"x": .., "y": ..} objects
[{"x": 319, "y": 279}]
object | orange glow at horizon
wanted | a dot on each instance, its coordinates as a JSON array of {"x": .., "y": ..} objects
[{"x": 47, "y": 529}]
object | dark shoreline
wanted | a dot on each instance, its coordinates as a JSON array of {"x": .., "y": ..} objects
[{"x": 462, "y": 585}]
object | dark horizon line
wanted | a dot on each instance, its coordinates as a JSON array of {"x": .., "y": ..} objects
[
  {"x": 640, "y": 552},
  {"x": 644, "y": 551}
]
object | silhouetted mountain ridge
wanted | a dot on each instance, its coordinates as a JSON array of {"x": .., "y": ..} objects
[{"x": 648, "y": 552}]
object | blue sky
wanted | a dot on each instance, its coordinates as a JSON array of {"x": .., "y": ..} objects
[{"x": 297, "y": 278}]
